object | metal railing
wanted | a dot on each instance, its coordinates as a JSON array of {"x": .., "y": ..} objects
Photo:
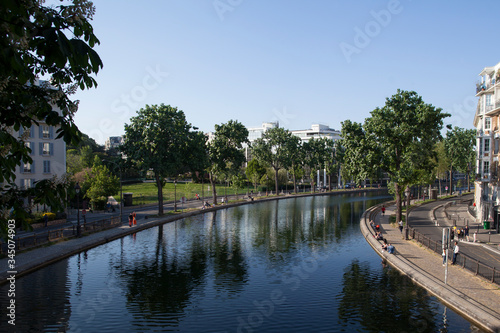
[
  {"x": 44, "y": 237},
  {"x": 475, "y": 266}
]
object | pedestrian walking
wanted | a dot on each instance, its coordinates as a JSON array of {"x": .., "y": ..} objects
[
  {"x": 130, "y": 220},
  {"x": 456, "y": 250},
  {"x": 466, "y": 232},
  {"x": 383, "y": 210},
  {"x": 400, "y": 226},
  {"x": 134, "y": 218}
]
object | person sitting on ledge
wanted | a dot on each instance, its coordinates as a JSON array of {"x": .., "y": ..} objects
[
  {"x": 384, "y": 245},
  {"x": 378, "y": 236},
  {"x": 372, "y": 224},
  {"x": 391, "y": 249}
]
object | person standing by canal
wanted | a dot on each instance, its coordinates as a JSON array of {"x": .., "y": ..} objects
[
  {"x": 455, "y": 253},
  {"x": 400, "y": 226},
  {"x": 383, "y": 210}
]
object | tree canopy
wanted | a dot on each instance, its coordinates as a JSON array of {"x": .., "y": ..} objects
[
  {"x": 49, "y": 43},
  {"x": 271, "y": 150},
  {"x": 160, "y": 139},
  {"x": 225, "y": 151},
  {"x": 398, "y": 138}
]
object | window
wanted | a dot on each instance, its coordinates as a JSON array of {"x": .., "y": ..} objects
[
  {"x": 486, "y": 167},
  {"x": 487, "y": 123},
  {"x": 28, "y": 168},
  {"x": 488, "y": 99},
  {"x": 46, "y": 166},
  {"x": 46, "y": 148},
  {"x": 26, "y": 183},
  {"x": 486, "y": 145},
  {"x": 46, "y": 132},
  {"x": 31, "y": 146}
]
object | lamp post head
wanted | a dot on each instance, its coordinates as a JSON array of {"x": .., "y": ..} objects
[{"x": 77, "y": 188}]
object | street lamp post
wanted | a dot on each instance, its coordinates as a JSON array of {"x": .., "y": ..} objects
[
  {"x": 77, "y": 190},
  {"x": 175, "y": 195}
]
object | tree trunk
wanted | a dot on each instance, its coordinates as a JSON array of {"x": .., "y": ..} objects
[
  {"x": 212, "y": 183},
  {"x": 313, "y": 188},
  {"x": 451, "y": 180},
  {"x": 276, "y": 180},
  {"x": 294, "y": 184},
  {"x": 159, "y": 185},
  {"x": 468, "y": 181},
  {"x": 397, "y": 190}
]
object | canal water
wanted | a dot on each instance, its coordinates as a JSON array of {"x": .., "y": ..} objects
[{"x": 294, "y": 265}]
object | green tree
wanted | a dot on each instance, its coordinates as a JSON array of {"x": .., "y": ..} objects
[
  {"x": 315, "y": 155},
  {"x": 159, "y": 139},
  {"x": 100, "y": 184},
  {"x": 331, "y": 161},
  {"x": 293, "y": 149},
  {"x": 442, "y": 162},
  {"x": 271, "y": 150},
  {"x": 254, "y": 172},
  {"x": 34, "y": 44},
  {"x": 225, "y": 151},
  {"x": 459, "y": 148},
  {"x": 355, "y": 150},
  {"x": 398, "y": 138}
]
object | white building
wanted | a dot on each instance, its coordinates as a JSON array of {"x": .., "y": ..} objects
[
  {"x": 113, "y": 142},
  {"x": 255, "y": 133},
  {"x": 317, "y": 131},
  {"x": 487, "y": 124},
  {"x": 48, "y": 154}
]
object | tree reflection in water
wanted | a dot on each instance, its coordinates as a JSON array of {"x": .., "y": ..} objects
[{"x": 384, "y": 302}]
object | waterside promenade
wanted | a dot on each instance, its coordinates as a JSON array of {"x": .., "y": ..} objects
[{"x": 473, "y": 297}]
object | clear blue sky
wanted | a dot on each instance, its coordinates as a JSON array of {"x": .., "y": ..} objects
[{"x": 298, "y": 62}]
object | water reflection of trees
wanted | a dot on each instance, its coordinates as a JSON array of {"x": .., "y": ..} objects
[
  {"x": 383, "y": 302},
  {"x": 162, "y": 283},
  {"x": 281, "y": 226}
]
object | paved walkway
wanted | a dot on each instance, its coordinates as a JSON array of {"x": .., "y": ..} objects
[{"x": 471, "y": 296}]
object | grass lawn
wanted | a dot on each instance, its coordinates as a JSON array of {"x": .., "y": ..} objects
[{"x": 147, "y": 193}]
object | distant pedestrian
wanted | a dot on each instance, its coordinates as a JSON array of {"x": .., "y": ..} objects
[
  {"x": 466, "y": 232},
  {"x": 45, "y": 219},
  {"x": 134, "y": 217},
  {"x": 383, "y": 210},
  {"x": 400, "y": 226},
  {"x": 130, "y": 220},
  {"x": 456, "y": 250}
]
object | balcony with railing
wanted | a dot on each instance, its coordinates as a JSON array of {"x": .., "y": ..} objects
[{"x": 486, "y": 84}]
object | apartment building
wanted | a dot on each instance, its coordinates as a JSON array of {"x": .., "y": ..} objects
[
  {"x": 487, "y": 124},
  {"x": 113, "y": 142},
  {"x": 48, "y": 154}
]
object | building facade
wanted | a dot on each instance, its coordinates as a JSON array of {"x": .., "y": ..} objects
[
  {"x": 113, "y": 142},
  {"x": 318, "y": 131},
  {"x": 47, "y": 152},
  {"x": 487, "y": 124}
]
